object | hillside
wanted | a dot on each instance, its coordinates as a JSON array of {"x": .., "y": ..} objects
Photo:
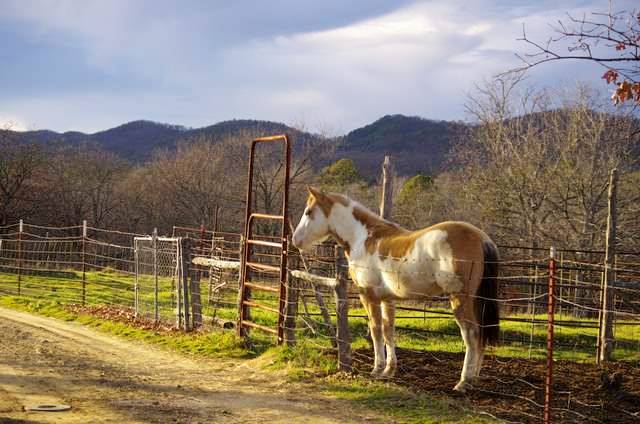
[
  {"x": 136, "y": 141},
  {"x": 416, "y": 144}
]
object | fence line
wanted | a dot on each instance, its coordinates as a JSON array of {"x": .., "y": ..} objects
[{"x": 146, "y": 275}]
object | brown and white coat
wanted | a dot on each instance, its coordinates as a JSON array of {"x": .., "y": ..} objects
[{"x": 389, "y": 263}]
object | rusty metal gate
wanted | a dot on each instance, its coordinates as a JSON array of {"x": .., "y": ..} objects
[{"x": 249, "y": 265}]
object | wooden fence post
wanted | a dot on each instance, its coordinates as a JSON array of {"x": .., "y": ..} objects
[
  {"x": 196, "y": 307},
  {"x": 343, "y": 335},
  {"x": 606, "y": 337},
  {"x": 194, "y": 285},
  {"x": 291, "y": 312},
  {"x": 185, "y": 257},
  {"x": 386, "y": 202}
]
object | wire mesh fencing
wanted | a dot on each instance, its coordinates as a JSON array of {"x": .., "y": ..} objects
[
  {"x": 191, "y": 279},
  {"x": 157, "y": 266},
  {"x": 87, "y": 266},
  {"x": 535, "y": 342}
]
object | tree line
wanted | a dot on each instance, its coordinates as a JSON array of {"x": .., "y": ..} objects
[{"x": 532, "y": 170}]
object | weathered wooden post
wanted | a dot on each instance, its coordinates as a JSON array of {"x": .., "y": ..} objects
[
  {"x": 185, "y": 259},
  {"x": 194, "y": 285},
  {"x": 343, "y": 334},
  {"x": 386, "y": 201},
  {"x": 84, "y": 262},
  {"x": 606, "y": 337},
  {"x": 243, "y": 310},
  {"x": 291, "y": 311},
  {"x": 196, "y": 276},
  {"x": 196, "y": 307},
  {"x": 386, "y": 204}
]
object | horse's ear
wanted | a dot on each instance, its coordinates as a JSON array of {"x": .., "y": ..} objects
[{"x": 315, "y": 192}]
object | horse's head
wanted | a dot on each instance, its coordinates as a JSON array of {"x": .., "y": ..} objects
[{"x": 314, "y": 224}]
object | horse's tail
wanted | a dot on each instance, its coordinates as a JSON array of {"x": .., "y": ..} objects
[{"x": 487, "y": 310}]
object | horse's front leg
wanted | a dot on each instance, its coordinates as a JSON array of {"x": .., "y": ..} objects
[
  {"x": 375, "y": 327},
  {"x": 388, "y": 330}
]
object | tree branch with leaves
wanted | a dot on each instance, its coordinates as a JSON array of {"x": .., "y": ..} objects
[{"x": 610, "y": 39}]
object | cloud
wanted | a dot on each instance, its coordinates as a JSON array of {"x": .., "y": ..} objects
[
  {"x": 94, "y": 64},
  {"x": 12, "y": 123}
]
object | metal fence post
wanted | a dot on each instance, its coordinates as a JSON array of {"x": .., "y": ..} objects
[
  {"x": 84, "y": 263},
  {"x": 184, "y": 268},
  {"x": 178, "y": 279},
  {"x": 20, "y": 230},
  {"x": 136, "y": 278},
  {"x": 154, "y": 246},
  {"x": 550, "y": 324}
]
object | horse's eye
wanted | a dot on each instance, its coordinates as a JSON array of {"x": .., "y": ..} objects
[{"x": 308, "y": 212}]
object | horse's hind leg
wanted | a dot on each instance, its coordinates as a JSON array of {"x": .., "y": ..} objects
[
  {"x": 479, "y": 359},
  {"x": 388, "y": 330},
  {"x": 375, "y": 326},
  {"x": 463, "y": 312}
]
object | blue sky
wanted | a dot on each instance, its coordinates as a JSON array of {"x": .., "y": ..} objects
[{"x": 330, "y": 66}]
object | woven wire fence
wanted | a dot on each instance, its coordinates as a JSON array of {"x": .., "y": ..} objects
[
  {"x": 512, "y": 384},
  {"x": 157, "y": 263},
  {"x": 95, "y": 267}
]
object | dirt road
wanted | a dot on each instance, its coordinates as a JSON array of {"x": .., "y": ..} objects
[{"x": 106, "y": 379}]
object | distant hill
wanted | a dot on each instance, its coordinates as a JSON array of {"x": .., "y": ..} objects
[
  {"x": 416, "y": 144},
  {"x": 137, "y": 140}
]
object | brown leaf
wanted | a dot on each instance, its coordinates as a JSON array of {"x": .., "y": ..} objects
[{"x": 610, "y": 76}]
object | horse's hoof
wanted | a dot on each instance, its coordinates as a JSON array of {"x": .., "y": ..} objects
[
  {"x": 388, "y": 372},
  {"x": 462, "y": 387},
  {"x": 377, "y": 373}
]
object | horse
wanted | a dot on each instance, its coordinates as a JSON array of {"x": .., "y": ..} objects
[{"x": 388, "y": 263}]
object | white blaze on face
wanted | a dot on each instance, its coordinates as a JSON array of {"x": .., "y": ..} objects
[{"x": 312, "y": 228}]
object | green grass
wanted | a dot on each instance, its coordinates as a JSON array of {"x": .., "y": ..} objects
[
  {"x": 415, "y": 330},
  {"x": 305, "y": 363},
  {"x": 311, "y": 361},
  {"x": 213, "y": 344},
  {"x": 400, "y": 403}
]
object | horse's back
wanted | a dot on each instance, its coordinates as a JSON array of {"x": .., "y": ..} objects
[
  {"x": 459, "y": 234},
  {"x": 434, "y": 260},
  {"x": 453, "y": 251}
]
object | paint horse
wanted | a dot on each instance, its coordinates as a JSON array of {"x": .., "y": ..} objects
[{"x": 389, "y": 263}]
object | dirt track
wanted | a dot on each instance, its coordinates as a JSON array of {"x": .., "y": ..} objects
[{"x": 106, "y": 379}]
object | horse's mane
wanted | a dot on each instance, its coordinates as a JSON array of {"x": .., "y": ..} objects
[{"x": 377, "y": 226}]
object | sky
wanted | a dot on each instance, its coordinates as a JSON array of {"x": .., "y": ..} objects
[{"x": 328, "y": 66}]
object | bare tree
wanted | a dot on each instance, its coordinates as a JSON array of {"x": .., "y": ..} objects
[
  {"x": 20, "y": 165},
  {"x": 610, "y": 39},
  {"x": 506, "y": 158},
  {"x": 82, "y": 184},
  {"x": 591, "y": 143},
  {"x": 536, "y": 165}
]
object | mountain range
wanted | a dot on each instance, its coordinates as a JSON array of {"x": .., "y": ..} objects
[{"x": 417, "y": 145}]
